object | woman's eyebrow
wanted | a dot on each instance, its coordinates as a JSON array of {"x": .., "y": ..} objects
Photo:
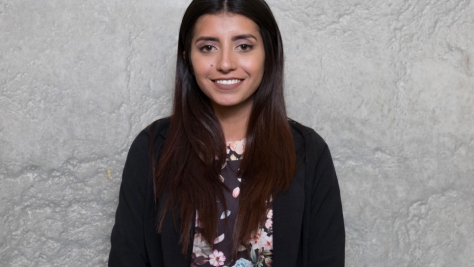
[
  {"x": 235, "y": 38},
  {"x": 243, "y": 36},
  {"x": 207, "y": 38}
]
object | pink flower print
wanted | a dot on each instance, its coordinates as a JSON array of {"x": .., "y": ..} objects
[
  {"x": 217, "y": 258},
  {"x": 262, "y": 240},
  {"x": 236, "y": 192},
  {"x": 270, "y": 214},
  {"x": 269, "y": 223},
  {"x": 254, "y": 239},
  {"x": 237, "y": 146}
]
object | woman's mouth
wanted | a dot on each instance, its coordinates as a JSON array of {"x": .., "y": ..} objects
[{"x": 228, "y": 82}]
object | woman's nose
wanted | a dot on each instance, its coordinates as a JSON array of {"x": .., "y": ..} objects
[{"x": 226, "y": 61}]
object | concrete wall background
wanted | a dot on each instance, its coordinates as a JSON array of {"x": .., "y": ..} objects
[{"x": 389, "y": 85}]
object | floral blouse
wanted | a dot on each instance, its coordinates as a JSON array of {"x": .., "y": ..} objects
[{"x": 205, "y": 255}]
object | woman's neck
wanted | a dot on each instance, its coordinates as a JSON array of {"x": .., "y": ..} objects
[{"x": 234, "y": 121}]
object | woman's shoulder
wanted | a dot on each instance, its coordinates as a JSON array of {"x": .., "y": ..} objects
[
  {"x": 154, "y": 132},
  {"x": 306, "y": 135},
  {"x": 158, "y": 127}
]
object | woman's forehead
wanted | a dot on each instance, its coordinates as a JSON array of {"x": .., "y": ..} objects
[{"x": 224, "y": 24}]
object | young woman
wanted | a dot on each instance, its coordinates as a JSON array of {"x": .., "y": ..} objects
[{"x": 228, "y": 179}]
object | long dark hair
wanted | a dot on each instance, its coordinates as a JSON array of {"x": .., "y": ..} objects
[{"x": 194, "y": 151}]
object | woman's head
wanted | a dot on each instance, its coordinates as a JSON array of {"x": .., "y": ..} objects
[
  {"x": 269, "y": 83},
  {"x": 227, "y": 57}
]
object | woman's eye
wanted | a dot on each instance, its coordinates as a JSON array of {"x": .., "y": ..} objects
[
  {"x": 245, "y": 47},
  {"x": 206, "y": 48}
]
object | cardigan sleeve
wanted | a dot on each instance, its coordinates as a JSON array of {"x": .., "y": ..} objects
[
  {"x": 327, "y": 233},
  {"x": 128, "y": 235}
]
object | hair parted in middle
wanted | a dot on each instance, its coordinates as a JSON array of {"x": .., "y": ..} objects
[{"x": 194, "y": 151}]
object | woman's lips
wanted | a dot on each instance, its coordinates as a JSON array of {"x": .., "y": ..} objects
[{"x": 227, "y": 84}]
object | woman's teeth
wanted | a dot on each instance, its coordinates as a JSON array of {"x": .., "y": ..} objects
[{"x": 228, "y": 82}]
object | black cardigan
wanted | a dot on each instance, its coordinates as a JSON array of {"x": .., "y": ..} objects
[{"x": 308, "y": 225}]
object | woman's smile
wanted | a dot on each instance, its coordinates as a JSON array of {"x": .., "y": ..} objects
[{"x": 228, "y": 82}]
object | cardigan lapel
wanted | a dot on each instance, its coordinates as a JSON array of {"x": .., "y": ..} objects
[
  {"x": 288, "y": 214},
  {"x": 170, "y": 235},
  {"x": 171, "y": 246}
]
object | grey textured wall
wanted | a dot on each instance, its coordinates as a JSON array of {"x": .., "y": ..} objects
[{"x": 388, "y": 84}]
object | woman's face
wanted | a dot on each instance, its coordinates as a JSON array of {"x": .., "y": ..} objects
[{"x": 227, "y": 55}]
